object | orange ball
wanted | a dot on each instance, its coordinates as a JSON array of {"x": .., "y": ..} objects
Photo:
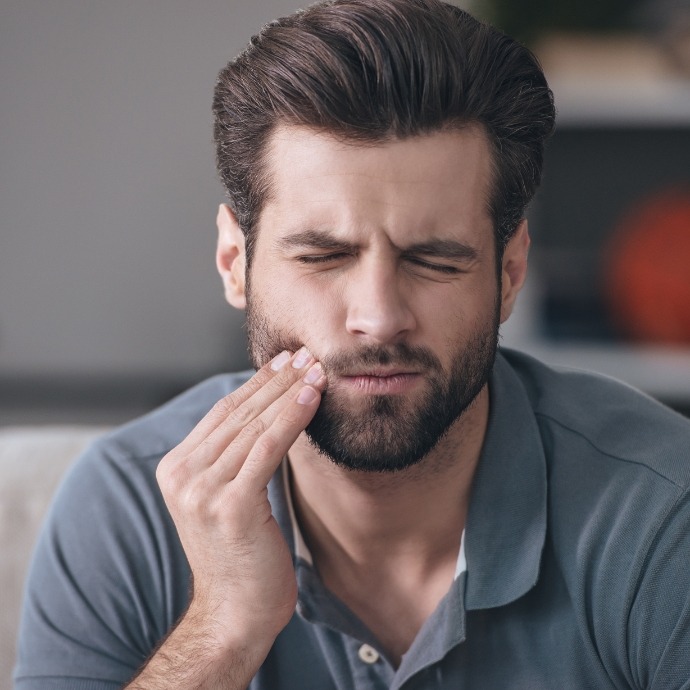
[{"x": 647, "y": 270}]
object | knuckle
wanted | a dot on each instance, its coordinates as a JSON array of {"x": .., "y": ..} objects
[
  {"x": 288, "y": 375},
  {"x": 169, "y": 473},
  {"x": 162, "y": 470},
  {"x": 266, "y": 445},
  {"x": 206, "y": 446},
  {"x": 258, "y": 426},
  {"x": 201, "y": 499},
  {"x": 292, "y": 414},
  {"x": 196, "y": 502},
  {"x": 242, "y": 416},
  {"x": 252, "y": 431},
  {"x": 165, "y": 469},
  {"x": 226, "y": 405}
]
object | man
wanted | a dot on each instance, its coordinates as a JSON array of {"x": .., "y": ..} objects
[{"x": 387, "y": 502}]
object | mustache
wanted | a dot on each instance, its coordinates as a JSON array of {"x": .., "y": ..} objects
[{"x": 399, "y": 354}]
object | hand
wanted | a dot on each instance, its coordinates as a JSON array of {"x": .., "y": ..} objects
[{"x": 215, "y": 486}]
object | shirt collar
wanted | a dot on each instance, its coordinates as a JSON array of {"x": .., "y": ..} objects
[
  {"x": 300, "y": 548},
  {"x": 506, "y": 522}
]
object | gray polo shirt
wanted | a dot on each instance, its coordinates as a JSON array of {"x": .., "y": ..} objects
[{"x": 577, "y": 550}]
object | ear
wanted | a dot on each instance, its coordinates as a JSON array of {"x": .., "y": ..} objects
[
  {"x": 514, "y": 268},
  {"x": 231, "y": 257}
]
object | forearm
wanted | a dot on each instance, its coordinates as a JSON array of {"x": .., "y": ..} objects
[{"x": 195, "y": 657}]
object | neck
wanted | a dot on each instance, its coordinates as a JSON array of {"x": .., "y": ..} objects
[
  {"x": 379, "y": 520},
  {"x": 387, "y": 544}
]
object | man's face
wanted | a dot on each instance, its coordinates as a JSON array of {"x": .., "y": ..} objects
[{"x": 381, "y": 260}]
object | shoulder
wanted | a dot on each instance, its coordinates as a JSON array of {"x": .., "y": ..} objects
[
  {"x": 614, "y": 422},
  {"x": 109, "y": 575},
  {"x": 123, "y": 461},
  {"x": 165, "y": 427},
  {"x": 110, "y": 500},
  {"x": 114, "y": 479},
  {"x": 618, "y": 468}
]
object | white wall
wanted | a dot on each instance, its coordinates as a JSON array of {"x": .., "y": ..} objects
[{"x": 108, "y": 190}]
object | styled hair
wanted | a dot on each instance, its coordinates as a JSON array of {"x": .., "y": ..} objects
[{"x": 372, "y": 71}]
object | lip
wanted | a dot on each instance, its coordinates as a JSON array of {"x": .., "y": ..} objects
[{"x": 381, "y": 382}]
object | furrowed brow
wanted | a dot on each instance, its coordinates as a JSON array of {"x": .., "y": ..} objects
[
  {"x": 312, "y": 239},
  {"x": 444, "y": 249}
]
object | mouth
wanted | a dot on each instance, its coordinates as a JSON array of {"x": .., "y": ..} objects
[{"x": 381, "y": 381}]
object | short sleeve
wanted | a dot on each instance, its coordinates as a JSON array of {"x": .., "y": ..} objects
[
  {"x": 659, "y": 622},
  {"x": 108, "y": 578}
]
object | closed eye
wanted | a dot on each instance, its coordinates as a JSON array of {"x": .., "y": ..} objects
[
  {"x": 321, "y": 258},
  {"x": 439, "y": 268}
]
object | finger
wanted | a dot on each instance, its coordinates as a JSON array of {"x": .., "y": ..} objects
[
  {"x": 211, "y": 448},
  {"x": 219, "y": 412},
  {"x": 272, "y": 446},
  {"x": 229, "y": 463}
]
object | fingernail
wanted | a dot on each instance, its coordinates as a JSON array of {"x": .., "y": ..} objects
[
  {"x": 279, "y": 361},
  {"x": 301, "y": 358},
  {"x": 306, "y": 395},
  {"x": 314, "y": 374}
]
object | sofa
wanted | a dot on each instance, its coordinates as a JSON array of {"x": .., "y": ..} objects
[{"x": 32, "y": 461}]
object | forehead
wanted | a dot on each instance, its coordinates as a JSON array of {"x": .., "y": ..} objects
[{"x": 405, "y": 187}]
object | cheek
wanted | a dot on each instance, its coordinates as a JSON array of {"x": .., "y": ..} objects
[
  {"x": 462, "y": 316},
  {"x": 310, "y": 312},
  {"x": 460, "y": 306},
  {"x": 318, "y": 315}
]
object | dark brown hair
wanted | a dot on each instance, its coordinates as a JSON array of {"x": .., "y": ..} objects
[{"x": 374, "y": 70}]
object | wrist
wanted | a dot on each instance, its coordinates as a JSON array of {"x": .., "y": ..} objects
[{"x": 226, "y": 634}]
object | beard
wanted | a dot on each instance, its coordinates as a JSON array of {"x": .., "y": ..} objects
[{"x": 385, "y": 433}]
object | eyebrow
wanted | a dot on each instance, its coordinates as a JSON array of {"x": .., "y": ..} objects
[
  {"x": 444, "y": 249},
  {"x": 312, "y": 238},
  {"x": 437, "y": 248}
]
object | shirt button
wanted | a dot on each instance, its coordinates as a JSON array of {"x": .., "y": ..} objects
[{"x": 368, "y": 654}]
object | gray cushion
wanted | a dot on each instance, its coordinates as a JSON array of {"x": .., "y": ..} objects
[{"x": 32, "y": 461}]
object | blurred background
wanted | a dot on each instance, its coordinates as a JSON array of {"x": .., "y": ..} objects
[{"x": 109, "y": 300}]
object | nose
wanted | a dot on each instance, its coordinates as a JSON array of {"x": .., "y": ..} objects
[{"x": 378, "y": 308}]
